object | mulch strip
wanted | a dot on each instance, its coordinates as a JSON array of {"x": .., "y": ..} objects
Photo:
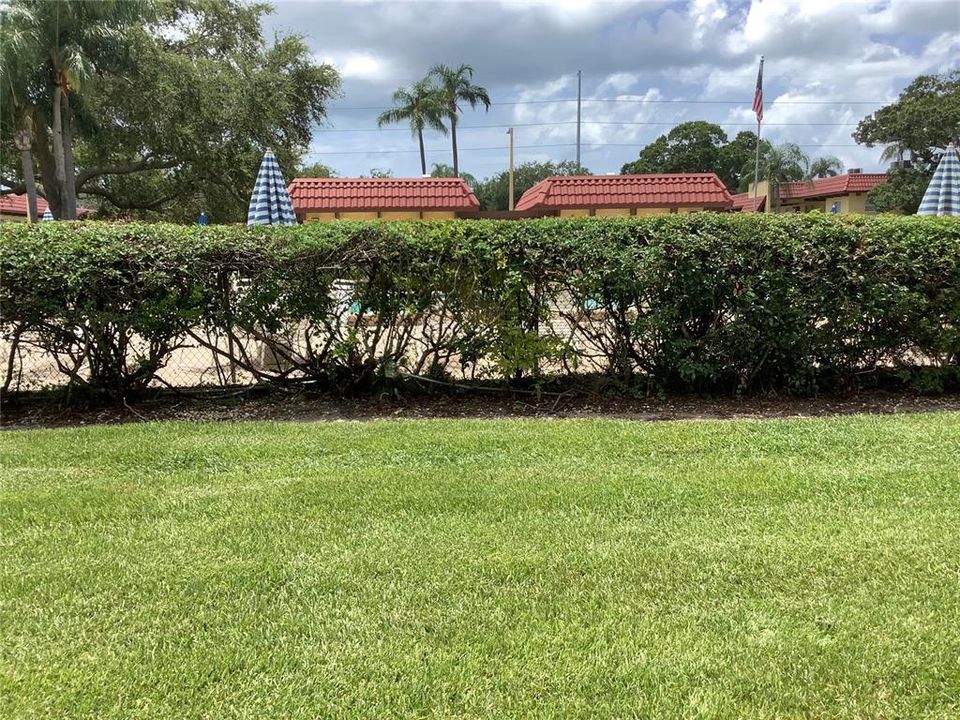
[{"x": 28, "y": 412}]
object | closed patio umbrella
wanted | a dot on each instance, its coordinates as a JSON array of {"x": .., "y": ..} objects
[
  {"x": 943, "y": 193},
  {"x": 270, "y": 202},
  {"x": 47, "y": 215}
]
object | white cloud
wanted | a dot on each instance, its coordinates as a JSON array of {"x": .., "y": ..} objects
[
  {"x": 702, "y": 50},
  {"x": 618, "y": 82},
  {"x": 358, "y": 65}
]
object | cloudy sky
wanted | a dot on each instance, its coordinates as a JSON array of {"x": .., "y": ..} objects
[{"x": 646, "y": 67}]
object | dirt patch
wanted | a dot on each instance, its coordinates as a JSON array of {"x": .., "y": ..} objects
[{"x": 247, "y": 406}]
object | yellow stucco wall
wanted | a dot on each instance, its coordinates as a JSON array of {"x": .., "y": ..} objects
[
  {"x": 374, "y": 215},
  {"x": 319, "y": 217},
  {"x": 619, "y": 212},
  {"x": 856, "y": 203},
  {"x": 685, "y": 210}
]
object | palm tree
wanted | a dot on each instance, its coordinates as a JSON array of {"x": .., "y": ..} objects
[
  {"x": 823, "y": 167},
  {"x": 893, "y": 151},
  {"x": 778, "y": 164},
  {"x": 15, "y": 72},
  {"x": 456, "y": 86},
  {"x": 422, "y": 106},
  {"x": 70, "y": 40},
  {"x": 442, "y": 170}
]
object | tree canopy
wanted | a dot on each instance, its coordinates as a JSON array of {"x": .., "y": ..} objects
[
  {"x": 919, "y": 125},
  {"x": 456, "y": 88},
  {"x": 923, "y": 120},
  {"x": 172, "y": 114},
  {"x": 697, "y": 146},
  {"x": 422, "y": 106},
  {"x": 494, "y": 192},
  {"x": 444, "y": 170},
  {"x": 315, "y": 170}
]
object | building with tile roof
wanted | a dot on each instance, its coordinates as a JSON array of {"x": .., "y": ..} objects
[
  {"x": 427, "y": 198},
  {"x": 841, "y": 194},
  {"x": 13, "y": 208},
  {"x": 746, "y": 202},
  {"x": 610, "y": 195}
]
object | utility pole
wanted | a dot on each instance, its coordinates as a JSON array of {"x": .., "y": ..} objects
[
  {"x": 579, "y": 83},
  {"x": 510, "y": 201}
]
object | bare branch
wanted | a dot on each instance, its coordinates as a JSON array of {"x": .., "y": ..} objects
[
  {"x": 148, "y": 163},
  {"x": 129, "y": 204}
]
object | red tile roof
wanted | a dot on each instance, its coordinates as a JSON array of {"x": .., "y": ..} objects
[
  {"x": 592, "y": 191},
  {"x": 745, "y": 202},
  {"x": 17, "y": 205},
  {"x": 332, "y": 194},
  {"x": 827, "y": 187}
]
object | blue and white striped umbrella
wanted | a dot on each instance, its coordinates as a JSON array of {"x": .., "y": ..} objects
[
  {"x": 47, "y": 215},
  {"x": 943, "y": 193},
  {"x": 270, "y": 202}
]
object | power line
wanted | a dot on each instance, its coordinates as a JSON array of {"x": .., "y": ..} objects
[
  {"x": 588, "y": 122},
  {"x": 654, "y": 101},
  {"x": 589, "y": 147}
]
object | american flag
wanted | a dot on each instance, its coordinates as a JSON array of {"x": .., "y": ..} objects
[{"x": 758, "y": 94}]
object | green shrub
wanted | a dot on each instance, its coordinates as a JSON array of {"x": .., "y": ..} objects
[{"x": 705, "y": 303}]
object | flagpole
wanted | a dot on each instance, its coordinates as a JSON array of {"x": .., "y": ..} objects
[{"x": 756, "y": 160}]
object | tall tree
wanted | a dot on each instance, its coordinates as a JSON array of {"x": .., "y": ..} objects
[
  {"x": 70, "y": 41},
  {"x": 696, "y": 146},
  {"x": 734, "y": 156},
  {"x": 14, "y": 80},
  {"x": 174, "y": 118},
  {"x": 689, "y": 147},
  {"x": 823, "y": 167},
  {"x": 923, "y": 120},
  {"x": 921, "y": 123},
  {"x": 456, "y": 87},
  {"x": 422, "y": 106}
]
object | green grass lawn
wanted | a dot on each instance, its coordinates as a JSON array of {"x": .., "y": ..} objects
[{"x": 591, "y": 568}]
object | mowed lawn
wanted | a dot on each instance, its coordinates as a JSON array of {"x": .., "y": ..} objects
[{"x": 583, "y": 568}]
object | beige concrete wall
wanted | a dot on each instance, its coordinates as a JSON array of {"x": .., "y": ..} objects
[
  {"x": 359, "y": 215},
  {"x": 612, "y": 212},
  {"x": 652, "y": 210},
  {"x": 13, "y": 218},
  {"x": 574, "y": 212},
  {"x": 685, "y": 210},
  {"x": 438, "y": 215},
  {"x": 400, "y": 214}
]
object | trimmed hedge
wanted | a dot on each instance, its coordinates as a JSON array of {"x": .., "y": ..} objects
[{"x": 705, "y": 303}]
